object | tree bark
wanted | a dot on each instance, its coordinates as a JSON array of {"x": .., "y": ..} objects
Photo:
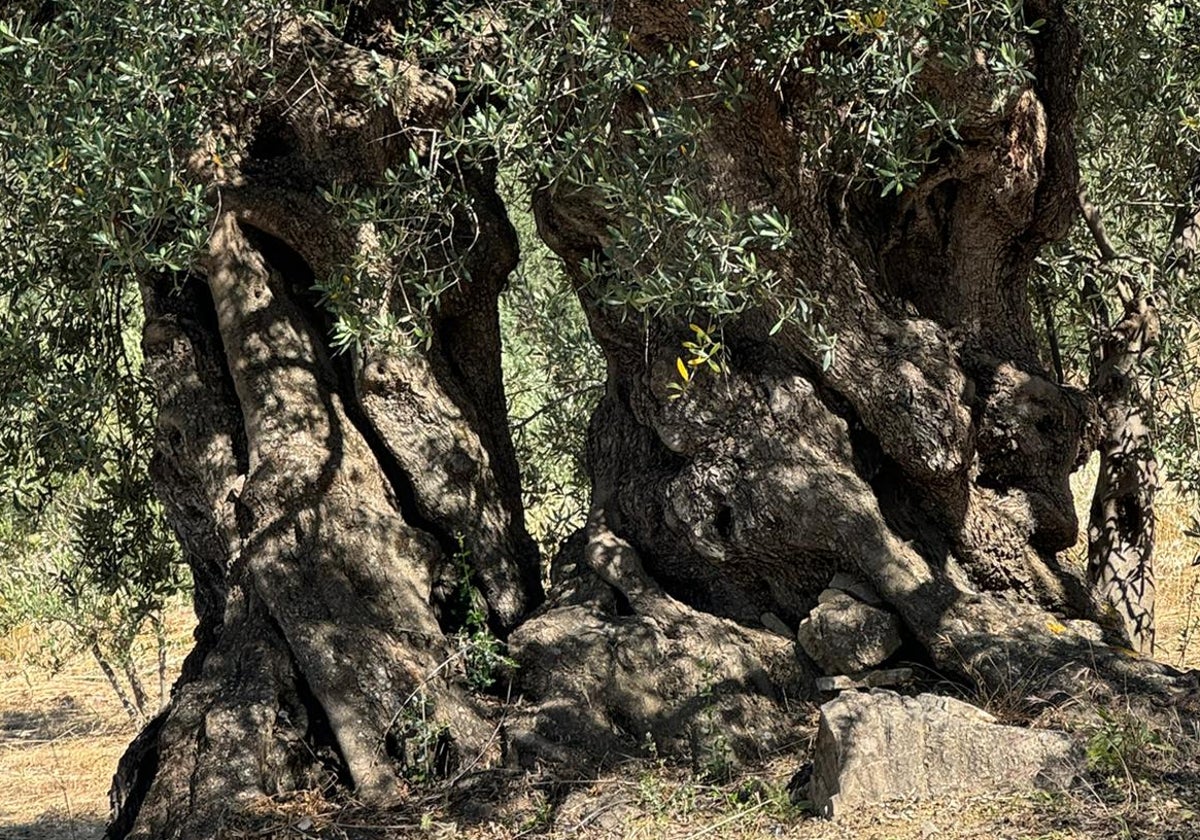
[
  {"x": 1121, "y": 527},
  {"x": 1121, "y": 530},
  {"x": 931, "y": 456},
  {"x": 326, "y": 505}
]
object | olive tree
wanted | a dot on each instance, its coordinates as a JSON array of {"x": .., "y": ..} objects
[{"x": 808, "y": 241}]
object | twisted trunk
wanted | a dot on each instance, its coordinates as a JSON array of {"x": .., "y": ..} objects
[
  {"x": 1121, "y": 522},
  {"x": 327, "y": 505},
  {"x": 931, "y": 455}
]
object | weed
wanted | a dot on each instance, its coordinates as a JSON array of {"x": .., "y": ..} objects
[
  {"x": 422, "y": 748},
  {"x": 541, "y": 820},
  {"x": 712, "y": 755},
  {"x": 483, "y": 655},
  {"x": 1121, "y": 744}
]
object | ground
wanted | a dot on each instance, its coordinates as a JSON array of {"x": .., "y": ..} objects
[{"x": 62, "y": 733}]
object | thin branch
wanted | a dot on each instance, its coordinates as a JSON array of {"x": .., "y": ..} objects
[
  {"x": 1095, "y": 224},
  {"x": 1094, "y": 303},
  {"x": 559, "y": 400},
  {"x": 130, "y": 709},
  {"x": 1051, "y": 330}
]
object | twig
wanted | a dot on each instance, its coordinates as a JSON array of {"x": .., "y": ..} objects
[
  {"x": 1095, "y": 224},
  {"x": 740, "y": 815},
  {"x": 491, "y": 740},
  {"x": 607, "y": 806},
  {"x": 559, "y": 400}
]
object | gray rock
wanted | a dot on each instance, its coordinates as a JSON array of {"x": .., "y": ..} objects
[
  {"x": 860, "y": 589},
  {"x": 845, "y": 636},
  {"x": 880, "y": 746},
  {"x": 828, "y": 595}
]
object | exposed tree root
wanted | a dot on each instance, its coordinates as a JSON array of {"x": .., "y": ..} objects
[{"x": 615, "y": 667}]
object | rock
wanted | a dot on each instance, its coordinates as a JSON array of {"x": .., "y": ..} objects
[
  {"x": 881, "y": 746},
  {"x": 859, "y": 589},
  {"x": 845, "y": 636},
  {"x": 775, "y": 624},
  {"x": 871, "y": 679}
]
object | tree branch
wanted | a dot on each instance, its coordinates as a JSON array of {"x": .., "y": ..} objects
[{"x": 1095, "y": 224}]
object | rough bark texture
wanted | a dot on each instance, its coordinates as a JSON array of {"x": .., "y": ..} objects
[
  {"x": 1121, "y": 526},
  {"x": 1122, "y": 523},
  {"x": 326, "y": 505},
  {"x": 932, "y": 456},
  {"x": 618, "y": 668}
]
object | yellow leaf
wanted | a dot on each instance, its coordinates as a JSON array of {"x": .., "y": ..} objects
[
  {"x": 693, "y": 63},
  {"x": 640, "y": 88},
  {"x": 1055, "y": 627},
  {"x": 682, "y": 368},
  {"x": 79, "y": 192}
]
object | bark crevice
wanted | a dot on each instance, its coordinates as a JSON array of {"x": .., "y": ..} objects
[{"x": 342, "y": 378}]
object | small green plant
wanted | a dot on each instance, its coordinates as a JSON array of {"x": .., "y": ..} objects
[
  {"x": 483, "y": 656},
  {"x": 422, "y": 747},
  {"x": 542, "y": 817},
  {"x": 1121, "y": 744},
  {"x": 712, "y": 755}
]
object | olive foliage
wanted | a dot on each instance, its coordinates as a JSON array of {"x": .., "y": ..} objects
[{"x": 102, "y": 103}]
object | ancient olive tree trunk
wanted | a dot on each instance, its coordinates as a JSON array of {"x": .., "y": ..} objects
[
  {"x": 329, "y": 506},
  {"x": 930, "y": 456}
]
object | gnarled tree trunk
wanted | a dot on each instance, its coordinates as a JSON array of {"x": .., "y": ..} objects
[
  {"x": 327, "y": 505},
  {"x": 931, "y": 456}
]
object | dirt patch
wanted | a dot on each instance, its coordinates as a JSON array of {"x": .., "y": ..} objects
[{"x": 61, "y": 735}]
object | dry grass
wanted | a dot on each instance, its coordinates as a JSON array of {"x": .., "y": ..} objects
[
  {"x": 62, "y": 734},
  {"x": 649, "y": 801},
  {"x": 1177, "y": 609}
]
